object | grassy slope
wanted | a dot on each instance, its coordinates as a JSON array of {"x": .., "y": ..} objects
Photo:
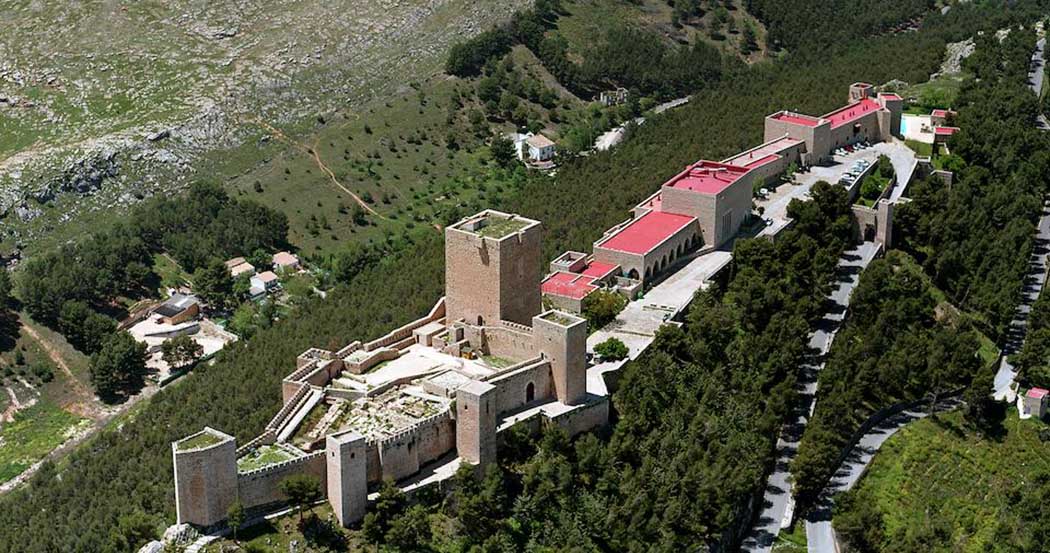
[{"x": 969, "y": 479}]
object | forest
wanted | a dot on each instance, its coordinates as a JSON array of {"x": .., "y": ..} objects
[
  {"x": 726, "y": 390},
  {"x": 973, "y": 240}
]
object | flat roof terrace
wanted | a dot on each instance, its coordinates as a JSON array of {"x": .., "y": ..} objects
[
  {"x": 707, "y": 177},
  {"x": 848, "y": 114},
  {"x": 494, "y": 224},
  {"x": 796, "y": 118},
  {"x": 761, "y": 155},
  {"x": 646, "y": 232}
]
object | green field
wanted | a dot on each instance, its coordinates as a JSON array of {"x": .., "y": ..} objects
[
  {"x": 937, "y": 475},
  {"x": 32, "y": 435}
]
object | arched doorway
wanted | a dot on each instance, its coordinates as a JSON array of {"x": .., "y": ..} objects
[
  {"x": 530, "y": 392},
  {"x": 633, "y": 275}
]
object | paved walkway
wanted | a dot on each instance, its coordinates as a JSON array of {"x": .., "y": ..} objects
[
  {"x": 820, "y": 535},
  {"x": 1033, "y": 285},
  {"x": 777, "y": 502},
  {"x": 637, "y": 324}
]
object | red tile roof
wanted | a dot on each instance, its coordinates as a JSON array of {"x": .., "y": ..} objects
[
  {"x": 597, "y": 269},
  {"x": 1037, "y": 393},
  {"x": 707, "y": 177},
  {"x": 568, "y": 285},
  {"x": 940, "y": 113},
  {"x": 646, "y": 232},
  {"x": 848, "y": 114},
  {"x": 890, "y": 95},
  {"x": 945, "y": 131}
]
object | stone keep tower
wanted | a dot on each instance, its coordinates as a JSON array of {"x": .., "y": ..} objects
[
  {"x": 345, "y": 457},
  {"x": 493, "y": 269},
  {"x": 562, "y": 339},
  {"x": 476, "y": 422},
  {"x": 205, "y": 476}
]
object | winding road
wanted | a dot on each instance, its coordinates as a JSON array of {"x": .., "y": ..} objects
[{"x": 778, "y": 504}]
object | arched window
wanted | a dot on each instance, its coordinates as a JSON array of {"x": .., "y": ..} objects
[
  {"x": 633, "y": 274},
  {"x": 481, "y": 320},
  {"x": 530, "y": 392}
]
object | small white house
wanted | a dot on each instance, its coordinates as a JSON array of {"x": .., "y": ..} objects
[
  {"x": 263, "y": 283},
  {"x": 533, "y": 148}
]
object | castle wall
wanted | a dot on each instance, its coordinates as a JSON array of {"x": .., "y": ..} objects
[
  {"x": 511, "y": 388},
  {"x": 584, "y": 418},
  {"x": 260, "y": 487},
  {"x": 816, "y": 138},
  {"x": 509, "y": 343},
  {"x": 401, "y": 456},
  {"x": 572, "y": 305}
]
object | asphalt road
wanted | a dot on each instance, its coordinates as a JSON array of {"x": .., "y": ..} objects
[
  {"x": 777, "y": 503},
  {"x": 1033, "y": 285},
  {"x": 1035, "y": 77}
]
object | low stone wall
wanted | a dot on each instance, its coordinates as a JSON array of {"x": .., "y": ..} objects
[
  {"x": 267, "y": 437},
  {"x": 405, "y": 331},
  {"x": 374, "y": 358},
  {"x": 260, "y": 486}
]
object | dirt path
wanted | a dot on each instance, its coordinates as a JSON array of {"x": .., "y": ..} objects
[
  {"x": 85, "y": 404},
  {"x": 312, "y": 152},
  {"x": 15, "y": 406}
]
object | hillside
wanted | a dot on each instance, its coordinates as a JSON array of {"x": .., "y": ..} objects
[
  {"x": 84, "y": 88},
  {"x": 988, "y": 492}
]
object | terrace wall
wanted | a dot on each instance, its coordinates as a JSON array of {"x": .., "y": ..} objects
[{"x": 260, "y": 486}]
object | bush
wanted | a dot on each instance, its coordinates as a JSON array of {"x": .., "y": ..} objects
[{"x": 611, "y": 350}]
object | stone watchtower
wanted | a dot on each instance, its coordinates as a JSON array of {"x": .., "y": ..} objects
[
  {"x": 476, "y": 422},
  {"x": 205, "y": 477},
  {"x": 562, "y": 339},
  {"x": 347, "y": 476},
  {"x": 493, "y": 269}
]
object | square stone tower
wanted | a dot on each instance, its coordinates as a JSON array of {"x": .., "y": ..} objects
[
  {"x": 205, "y": 477},
  {"x": 345, "y": 461},
  {"x": 493, "y": 269},
  {"x": 476, "y": 422},
  {"x": 562, "y": 339}
]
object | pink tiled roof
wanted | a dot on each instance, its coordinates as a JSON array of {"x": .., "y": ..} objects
[
  {"x": 597, "y": 269},
  {"x": 707, "y": 177},
  {"x": 646, "y": 232},
  {"x": 848, "y": 114},
  {"x": 284, "y": 259},
  {"x": 945, "y": 131},
  {"x": 568, "y": 285},
  {"x": 1037, "y": 393}
]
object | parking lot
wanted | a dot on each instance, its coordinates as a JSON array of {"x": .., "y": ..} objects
[{"x": 776, "y": 202}]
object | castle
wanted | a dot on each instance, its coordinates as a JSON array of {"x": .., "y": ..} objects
[
  {"x": 484, "y": 358},
  {"x": 488, "y": 355}
]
